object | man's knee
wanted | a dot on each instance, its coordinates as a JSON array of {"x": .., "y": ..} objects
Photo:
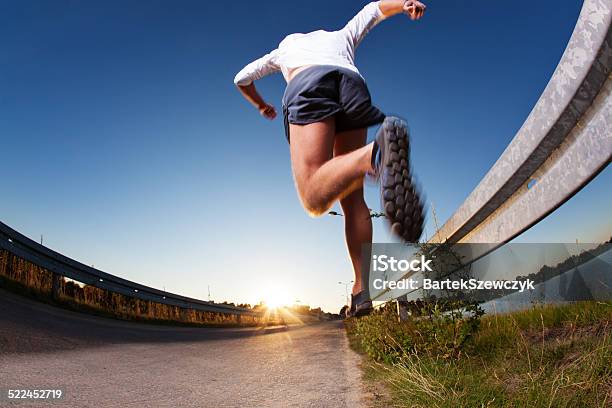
[
  {"x": 313, "y": 204},
  {"x": 312, "y": 200}
]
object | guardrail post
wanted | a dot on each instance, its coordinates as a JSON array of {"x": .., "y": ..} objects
[
  {"x": 56, "y": 286},
  {"x": 402, "y": 307}
]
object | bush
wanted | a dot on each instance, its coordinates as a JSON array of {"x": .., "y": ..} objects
[{"x": 440, "y": 330}]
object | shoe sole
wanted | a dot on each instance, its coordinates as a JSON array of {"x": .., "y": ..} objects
[{"x": 401, "y": 201}]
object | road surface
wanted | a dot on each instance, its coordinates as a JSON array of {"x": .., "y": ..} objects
[{"x": 103, "y": 362}]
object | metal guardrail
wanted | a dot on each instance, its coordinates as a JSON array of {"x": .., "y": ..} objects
[
  {"x": 564, "y": 143},
  {"x": 565, "y": 108},
  {"x": 60, "y": 265}
]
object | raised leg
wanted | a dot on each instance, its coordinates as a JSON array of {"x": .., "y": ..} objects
[{"x": 320, "y": 177}]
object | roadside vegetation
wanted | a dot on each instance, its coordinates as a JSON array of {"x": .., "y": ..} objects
[
  {"x": 26, "y": 278},
  {"x": 547, "y": 356}
]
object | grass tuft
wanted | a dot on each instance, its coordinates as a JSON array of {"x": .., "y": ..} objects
[{"x": 547, "y": 356}]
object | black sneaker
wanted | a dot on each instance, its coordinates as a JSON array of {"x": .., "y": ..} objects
[
  {"x": 401, "y": 201},
  {"x": 361, "y": 305}
]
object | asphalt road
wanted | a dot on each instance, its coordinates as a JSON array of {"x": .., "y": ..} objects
[{"x": 102, "y": 362}]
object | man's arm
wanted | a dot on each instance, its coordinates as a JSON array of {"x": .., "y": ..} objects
[
  {"x": 414, "y": 9},
  {"x": 254, "y": 71},
  {"x": 250, "y": 94},
  {"x": 375, "y": 12}
]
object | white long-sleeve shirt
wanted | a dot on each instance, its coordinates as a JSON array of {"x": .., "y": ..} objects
[{"x": 316, "y": 48}]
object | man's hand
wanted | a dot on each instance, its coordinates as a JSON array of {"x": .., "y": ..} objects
[
  {"x": 250, "y": 93},
  {"x": 414, "y": 9},
  {"x": 267, "y": 111}
]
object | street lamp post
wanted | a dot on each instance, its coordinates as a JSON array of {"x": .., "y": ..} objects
[{"x": 346, "y": 285}]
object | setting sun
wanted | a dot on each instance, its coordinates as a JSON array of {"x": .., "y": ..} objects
[{"x": 275, "y": 297}]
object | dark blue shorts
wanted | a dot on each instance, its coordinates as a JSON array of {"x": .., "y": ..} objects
[{"x": 322, "y": 91}]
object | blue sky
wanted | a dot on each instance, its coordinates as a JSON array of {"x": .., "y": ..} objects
[{"x": 125, "y": 143}]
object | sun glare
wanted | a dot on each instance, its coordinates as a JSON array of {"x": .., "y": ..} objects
[{"x": 276, "y": 297}]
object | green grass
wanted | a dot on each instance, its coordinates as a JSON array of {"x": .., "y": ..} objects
[{"x": 543, "y": 357}]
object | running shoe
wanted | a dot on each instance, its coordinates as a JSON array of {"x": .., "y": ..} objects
[
  {"x": 361, "y": 305},
  {"x": 400, "y": 198}
]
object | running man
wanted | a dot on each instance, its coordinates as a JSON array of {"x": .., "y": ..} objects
[{"x": 327, "y": 109}]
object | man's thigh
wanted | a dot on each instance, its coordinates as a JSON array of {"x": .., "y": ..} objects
[
  {"x": 345, "y": 143},
  {"x": 350, "y": 140},
  {"x": 311, "y": 146}
]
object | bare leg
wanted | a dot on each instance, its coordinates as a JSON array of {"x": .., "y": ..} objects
[
  {"x": 321, "y": 178},
  {"x": 357, "y": 221}
]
